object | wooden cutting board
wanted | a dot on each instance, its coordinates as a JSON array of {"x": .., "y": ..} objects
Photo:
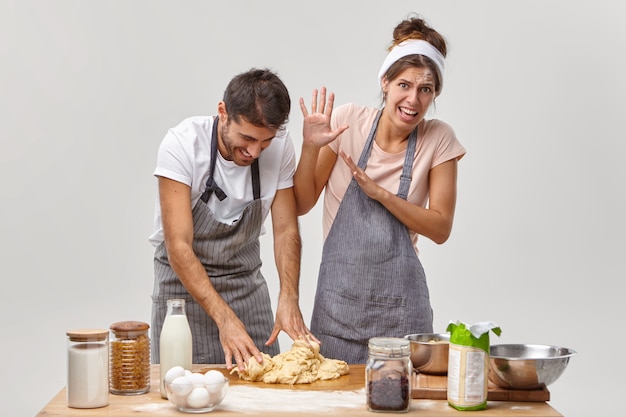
[
  {"x": 435, "y": 387},
  {"x": 428, "y": 387},
  {"x": 354, "y": 380}
]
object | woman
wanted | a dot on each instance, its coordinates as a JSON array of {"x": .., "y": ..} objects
[{"x": 402, "y": 184}]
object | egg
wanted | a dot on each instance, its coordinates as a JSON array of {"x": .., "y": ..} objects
[
  {"x": 198, "y": 398},
  {"x": 213, "y": 380},
  {"x": 197, "y": 379},
  {"x": 173, "y": 373},
  {"x": 213, "y": 377},
  {"x": 181, "y": 386},
  {"x": 216, "y": 396}
]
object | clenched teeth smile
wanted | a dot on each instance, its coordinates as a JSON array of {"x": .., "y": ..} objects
[{"x": 407, "y": 111}]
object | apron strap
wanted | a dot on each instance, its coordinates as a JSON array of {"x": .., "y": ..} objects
[
  {"x": 256, "y": 179},
  {"x": 407, "y": 167},
  {"x": 211, "y": 185},
  {"x": 365, "y": 155}
]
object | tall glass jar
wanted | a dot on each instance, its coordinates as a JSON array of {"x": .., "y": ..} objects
[
  {"x": 175, "y": 343},
  {"x": 129, "y": 370},
  {"x": 388, "y": 375},
  {"x": 87, "y": 368}
]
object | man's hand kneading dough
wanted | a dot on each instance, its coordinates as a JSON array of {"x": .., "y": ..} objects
[{"x": 302, "y": 364}]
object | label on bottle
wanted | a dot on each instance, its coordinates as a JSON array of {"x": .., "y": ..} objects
[{"x": 468, "y": 368}]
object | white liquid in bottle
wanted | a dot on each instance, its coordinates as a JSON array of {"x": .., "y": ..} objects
[{"x": 175, "y": 341}]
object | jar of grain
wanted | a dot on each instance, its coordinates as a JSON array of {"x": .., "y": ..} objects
[
  {"x": 388, "y": 375},
  {"x": 129, "y": 371}
]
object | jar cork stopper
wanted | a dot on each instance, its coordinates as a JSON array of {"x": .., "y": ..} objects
[
  {"x": 87, "y": 335},
  {"x": 129, "y": 326}
]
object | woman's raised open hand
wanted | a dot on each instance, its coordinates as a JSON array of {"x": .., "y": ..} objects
[{"x": 316, "y": 129}]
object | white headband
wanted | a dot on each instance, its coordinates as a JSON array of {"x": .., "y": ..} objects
[{"x": 412, "y": 47}]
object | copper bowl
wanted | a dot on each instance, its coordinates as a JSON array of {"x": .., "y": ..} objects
[{"x": 429, "y": 352}]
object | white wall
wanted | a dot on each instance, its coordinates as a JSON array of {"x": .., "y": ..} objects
[{"x": 534, "y": 89}]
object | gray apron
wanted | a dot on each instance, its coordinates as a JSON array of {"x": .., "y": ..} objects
[
  {"x": 371, "y": 282},
  {"x": 231, "y": 257}
]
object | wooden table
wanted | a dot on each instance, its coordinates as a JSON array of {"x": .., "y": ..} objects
[{"x": 342, "y": 397}]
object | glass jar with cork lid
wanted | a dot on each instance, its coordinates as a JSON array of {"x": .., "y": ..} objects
[
  {"x": 87, "y": 368},
  {"x": 129, "y": 370},
  {"x": 388, "y": 375}
]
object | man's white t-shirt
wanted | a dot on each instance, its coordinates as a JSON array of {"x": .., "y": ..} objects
[{"x": 185, "y": 156}]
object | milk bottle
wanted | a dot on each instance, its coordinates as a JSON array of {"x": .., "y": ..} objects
[{"x": 175, "y": 347}]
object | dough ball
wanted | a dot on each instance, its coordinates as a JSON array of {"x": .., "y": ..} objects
[{"x": 302, "y": 364}]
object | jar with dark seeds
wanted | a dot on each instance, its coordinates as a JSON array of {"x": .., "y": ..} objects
[
  {"x": 387, "y": 375},
  {"x": 388, "y": 394}
]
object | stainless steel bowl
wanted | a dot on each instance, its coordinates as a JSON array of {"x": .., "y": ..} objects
[
  {"x": 429, "y": 352},
  {"x": 522, "y": 366}
]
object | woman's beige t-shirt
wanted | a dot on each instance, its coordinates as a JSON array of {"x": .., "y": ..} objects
[{"x": 436, "y": 143}]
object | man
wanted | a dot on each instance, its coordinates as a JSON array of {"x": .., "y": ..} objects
[{"x": 219, "y": 177}]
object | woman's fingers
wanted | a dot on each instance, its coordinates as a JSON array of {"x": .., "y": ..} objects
[
  {"x": 322, "y": 100},
  {"x": 319, "y": 103},
  {"x": 314, "y": 102},
  {"x": 305, "y": 112},
  {"x": 348, "y": 160}
]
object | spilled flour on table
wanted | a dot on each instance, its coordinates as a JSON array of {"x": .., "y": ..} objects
[
  {"x": 152, "y": 408},
  {"x": 245, "y": 399}
]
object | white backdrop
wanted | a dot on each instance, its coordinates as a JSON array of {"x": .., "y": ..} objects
[{"x": 534, "y": 90}]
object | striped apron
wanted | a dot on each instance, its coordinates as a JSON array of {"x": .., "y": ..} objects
[
  {"x": 371, "y": 282},
  {"x": 231, "y": 257}
]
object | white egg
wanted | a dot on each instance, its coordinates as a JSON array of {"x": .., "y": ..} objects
[
  {"x": 181, "y": 386},
  {"x": 213, "y": 377},
  {"x": 198, "y": 398},
  {"x": 213, "y": 380},
  {"x": 173, "y": 373},
  {"x": 178, "y": 400},
  {"x": 197, "y": 379},
  {"x": 216, "y": 397}
]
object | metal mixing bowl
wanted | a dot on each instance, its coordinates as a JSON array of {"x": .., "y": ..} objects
[
  {"x": 522, "y": 366},
  {"x": 429, "y": 352}
]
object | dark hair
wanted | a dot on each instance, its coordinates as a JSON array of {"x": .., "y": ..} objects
[
  {"x": 258, "y": 96},
  {"x": 416, "y": 28}
]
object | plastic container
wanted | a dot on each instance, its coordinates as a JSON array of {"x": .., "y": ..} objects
[
  {"x": 129, "y": 367},
  {"x": 388, "y": 375},
  {"x": 87, "y": 368}
]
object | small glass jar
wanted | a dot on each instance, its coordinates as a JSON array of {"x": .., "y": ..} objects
[
  {"x": 388, "y": 375},
  {"x": 87, "y": 368},
  {"x": 129, "y": 358}
]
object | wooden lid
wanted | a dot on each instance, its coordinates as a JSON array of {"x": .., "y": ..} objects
[
  {"x": 129, "y": 326},
  {"x": 87, "y": 335}
]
